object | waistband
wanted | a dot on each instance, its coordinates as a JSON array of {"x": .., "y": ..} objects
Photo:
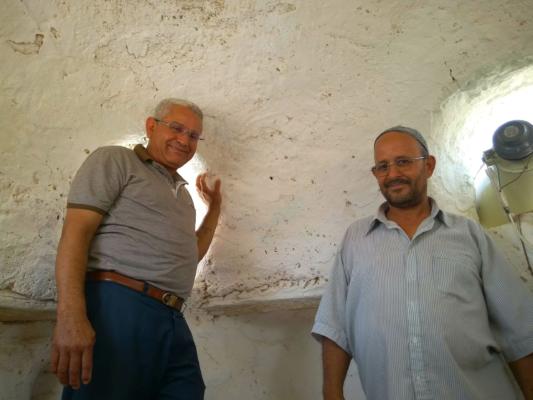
[{"x": 167, "y": 298}]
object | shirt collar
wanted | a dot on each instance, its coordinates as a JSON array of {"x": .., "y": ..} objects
[
  {"x": 381, "y": 218},
  {"x": 144, "y": 156}
]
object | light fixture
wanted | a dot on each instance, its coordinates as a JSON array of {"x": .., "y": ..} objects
[
  {"x": 504, "y": 191},
  {"x": 506, "y": 186}
]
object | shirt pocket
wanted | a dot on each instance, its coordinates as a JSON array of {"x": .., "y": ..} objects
[{"x": 455, "y": 276}]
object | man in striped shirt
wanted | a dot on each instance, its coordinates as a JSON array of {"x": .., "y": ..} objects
[{"x": 421, "y": 299}]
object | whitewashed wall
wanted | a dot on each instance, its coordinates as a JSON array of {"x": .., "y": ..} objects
[{"x": 294, "y": 92}]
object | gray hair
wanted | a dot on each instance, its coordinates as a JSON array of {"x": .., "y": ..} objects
[
  {"x": 411, "y": 132},
  {"x": 164, "y": 106}
]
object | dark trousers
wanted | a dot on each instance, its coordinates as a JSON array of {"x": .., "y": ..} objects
[{"x": 143, "y": 350}]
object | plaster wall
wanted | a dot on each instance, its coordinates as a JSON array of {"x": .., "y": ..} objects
[
  {"x": 293, "y": 92},
  {"x": 253, "y": 356}
]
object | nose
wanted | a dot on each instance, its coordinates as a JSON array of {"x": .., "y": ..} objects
[{"x": 184, "y": 140}]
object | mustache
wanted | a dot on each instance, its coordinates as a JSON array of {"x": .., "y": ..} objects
[{"x": 396, "y": 181}]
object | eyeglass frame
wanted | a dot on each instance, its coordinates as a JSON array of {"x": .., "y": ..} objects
[
  {"x": 410, "y": 161},
  {"x": 193, "y": 135}
]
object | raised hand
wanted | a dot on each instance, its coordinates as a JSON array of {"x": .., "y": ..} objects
[{"x": 211, "y": 196}]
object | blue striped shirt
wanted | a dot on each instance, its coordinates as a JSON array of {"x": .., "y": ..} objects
[{"x": 430, "y": 317}]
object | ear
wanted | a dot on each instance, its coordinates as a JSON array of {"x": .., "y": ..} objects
[
  {"x": 430, "y": 165},
  {"x": 150, "y": 126}
]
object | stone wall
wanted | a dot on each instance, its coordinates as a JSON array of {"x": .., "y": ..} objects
[{"x": 294, "y": 93}]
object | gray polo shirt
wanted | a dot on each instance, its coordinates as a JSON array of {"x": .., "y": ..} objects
[{"x": 147, "y": 231}]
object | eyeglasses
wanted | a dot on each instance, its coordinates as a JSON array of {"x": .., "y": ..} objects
[
  {"x": 401, "y": 164},
  {"x": 180, "y": 129}
]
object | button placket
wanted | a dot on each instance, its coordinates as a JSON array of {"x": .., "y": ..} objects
[{"x": 416, "y": 357}]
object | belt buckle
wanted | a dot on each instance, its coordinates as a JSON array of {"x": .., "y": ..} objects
[{"x": 169, "y": 299}]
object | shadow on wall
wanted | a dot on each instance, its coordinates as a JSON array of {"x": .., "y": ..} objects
[
  {"x": 46, "y": 387},
  {"x": 25, "y": 361}
]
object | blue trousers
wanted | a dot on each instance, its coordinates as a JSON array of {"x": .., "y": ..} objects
[{"x": 144, "y": 350}]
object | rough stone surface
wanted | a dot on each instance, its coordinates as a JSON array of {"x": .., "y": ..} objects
[{"x": 294, "y": 93}]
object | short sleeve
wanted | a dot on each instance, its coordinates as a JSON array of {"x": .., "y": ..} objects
[
  {"x": 509, "y": 301},
  {"x": 330, "y": 320},
  {"x": 99, "y": 181}
]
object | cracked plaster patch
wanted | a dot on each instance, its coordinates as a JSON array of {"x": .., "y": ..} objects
[{"x": 28, "y": 48}]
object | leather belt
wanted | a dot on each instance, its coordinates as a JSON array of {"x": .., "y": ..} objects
[{"x": 167, "y": 298}]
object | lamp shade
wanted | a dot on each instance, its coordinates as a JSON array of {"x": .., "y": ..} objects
[{"x": 513, "y": 140}]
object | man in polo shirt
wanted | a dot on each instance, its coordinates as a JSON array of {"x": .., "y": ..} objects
[
  {"x": 125, "y": 263},
  {"x": 420, "y": 298}
]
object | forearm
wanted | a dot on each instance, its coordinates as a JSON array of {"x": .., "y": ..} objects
[
  {"x": 206, "y": 231},
  {"x": 71, "y": 264},
  {"x": 71, "y": 260},
  {"x": 335, "y": 362},
  {"x": 523, "y": 372}
]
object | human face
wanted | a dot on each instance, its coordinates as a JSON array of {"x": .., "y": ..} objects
[
  {"x": 406, "y": 188},
  {"x": 168, "y": 148}
]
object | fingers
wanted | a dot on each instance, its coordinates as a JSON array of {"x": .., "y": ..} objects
[
  {"x": 87, "y": 365},
  {"x": 74, "y": 370},
  {"x": 63, "y": 368},
  {"x": 199, "y": 181},
  {"x": 70, "y": 366},
  {"x": 218, "y": 183},
  {"x": 210, "y": 195},
  {"x": 201, "y": 184}
]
